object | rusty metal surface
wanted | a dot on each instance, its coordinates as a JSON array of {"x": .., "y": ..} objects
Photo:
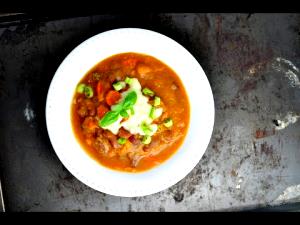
[{"x": 251, "y": 61}]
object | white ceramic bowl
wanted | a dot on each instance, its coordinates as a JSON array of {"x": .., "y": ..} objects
[{"x": 81, "y": 60}]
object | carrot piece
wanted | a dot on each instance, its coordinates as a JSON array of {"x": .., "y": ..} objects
[
  {"x": 99, "y": 87},
  {"x": 101, "y": 110},
  {"x": 100, "y": 90},
  {"x": 112, "y": 97},
  {"x": 102, "y": 87}
]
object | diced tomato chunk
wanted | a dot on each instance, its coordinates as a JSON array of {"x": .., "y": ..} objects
[
  {"x": 101, "y": 110},
  {"x": 112, "y": 97},
  {"x": 99, "y": 87},
  {"x": 102, "y": 88}
]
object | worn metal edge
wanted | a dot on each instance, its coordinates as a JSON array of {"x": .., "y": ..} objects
[{"x": 1, "y": 198}]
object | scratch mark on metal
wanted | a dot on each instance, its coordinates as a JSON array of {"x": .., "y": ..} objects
[
  {"x": 278, "y": 59},
  {"x": 289, "y": 193},
  {"x": 289, "y": 69},
  {"x": 28, "y": 113}
]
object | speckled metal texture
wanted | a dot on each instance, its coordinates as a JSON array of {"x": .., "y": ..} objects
[{"x": 251, "y": 61}]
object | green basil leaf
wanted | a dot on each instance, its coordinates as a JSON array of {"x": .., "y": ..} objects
[
  {"x": 109, "y": 118},
  {"x": 130, "y": 100},
  {"x": 118, "y": 107},
  {"x": 124, "y": 114},
  {"x": 132, "y": 111}
]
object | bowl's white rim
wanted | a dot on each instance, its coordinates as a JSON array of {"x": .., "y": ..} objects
[{"x": 212, "y": 118}]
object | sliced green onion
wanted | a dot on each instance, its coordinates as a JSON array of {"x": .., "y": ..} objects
[
  {"x": 80, "y": 88},
  {"x": 147, "y": 91},
  {"x": 168, "y": 122},
  {"x": 128, "y": 80},
  {"x": 88, "y": 91},
  {"x": 122, "y": 141},
  {"x": 119, "y": 85},
  {"x": 146, "y": 128},
  {"x": 146, "y": 140},
  {"x": 151, "y": 114},
  {"x": 156, "y": 101},
  {"x": 155, "y": 112},
  {"x": 124, "y": 114}
]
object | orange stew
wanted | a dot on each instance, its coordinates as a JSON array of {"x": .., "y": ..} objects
[{"x": 125, "y": 151}]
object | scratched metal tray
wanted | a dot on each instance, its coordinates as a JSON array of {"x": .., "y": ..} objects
[{"x": 253, "y": 159}]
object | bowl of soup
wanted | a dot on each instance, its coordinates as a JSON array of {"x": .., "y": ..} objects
[{"x": 130, "y": 112}]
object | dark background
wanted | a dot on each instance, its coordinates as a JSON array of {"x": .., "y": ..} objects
[{"x": 238, "y": 52}]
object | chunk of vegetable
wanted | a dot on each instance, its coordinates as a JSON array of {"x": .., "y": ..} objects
[
  {"x": 146, "y": 139},
  {"x": 118, "y": 107},
  {"x": 112, "y": 116},
  {"x": 88, "y": 91},
  {"x": 130, "y": 100},
  {"x": 155, "y": 112},
  {"x": 168, "y": 122},
  {"x": 101, "y": 110},
  {"x": 124, "y": 114},
  {"x": 132, "y": 111},
  {"x": 151, "y": 114},
  {"x": 119, "y": 85},
  {"x": 109, "y": 118},
  {"x": 147, "y": 91},
  {"x": 127, "y": 103},
  {"x": 112, "y": 97},
  {"x": 128, "y": 80},
  {"x": 99, "y": 88},
  {"x": 80, "y": 88},
  {"x": 156, "y": 101},
  {"x": 146, "y": 128},
  {"x": 122, "y": 141}
]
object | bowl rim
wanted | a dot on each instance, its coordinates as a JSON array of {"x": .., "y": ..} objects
[{"x": 81, "y": 177}]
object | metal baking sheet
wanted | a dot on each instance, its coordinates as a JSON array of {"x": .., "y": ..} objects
[{"x": 252, "y": 63}]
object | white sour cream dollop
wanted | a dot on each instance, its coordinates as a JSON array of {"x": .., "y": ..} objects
[{"x": 141, "y": 113}]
